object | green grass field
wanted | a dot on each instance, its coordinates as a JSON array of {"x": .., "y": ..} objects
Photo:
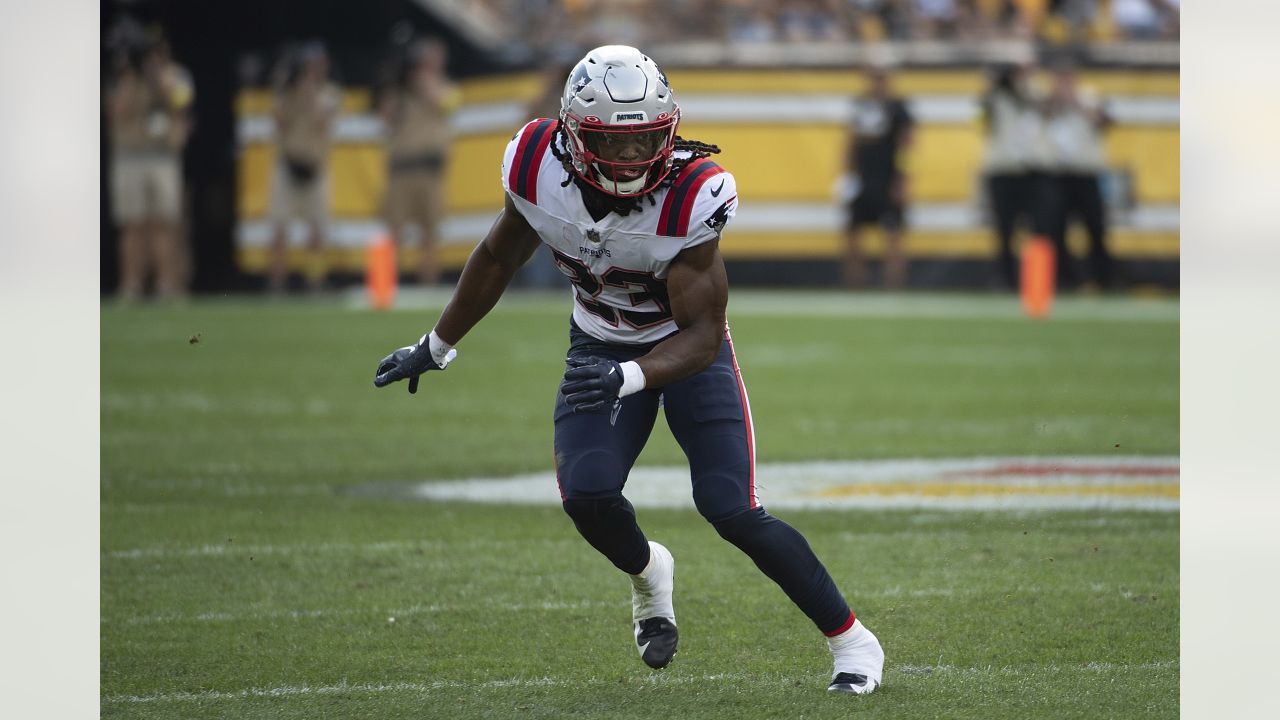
[{"x": 242, "y": 576}]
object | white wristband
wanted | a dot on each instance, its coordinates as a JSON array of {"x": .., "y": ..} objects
[
  {"x": 632, "y": 378},
  {"x": 441, "y": 351}
]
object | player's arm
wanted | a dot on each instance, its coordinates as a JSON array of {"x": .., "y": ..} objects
[
  {"x": 280, "y": 117},
  {"x": 698, "y": 289},
  {"x": 330, "y": 104},
  {"x": 181, "y": 96},
  {"x": 851, "y": 153},
  {"x": 508, "y": 245},
  {"x": 905, "y": 139},
  {"x": 120, "y": 96},
  {"x": 848, "y": 185},
  {"x": 387, "y": 108},
  {"x": 907, "y": 128}
]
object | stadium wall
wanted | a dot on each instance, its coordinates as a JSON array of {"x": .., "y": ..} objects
[{"x": 782, "y": 133}]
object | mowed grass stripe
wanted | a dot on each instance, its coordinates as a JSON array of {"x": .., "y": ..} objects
[
  {"x": 656, "y": 679},
  {"x": 1115, "y": 528},
  {"x": 837, "y": 303},
  {"x": 516, "y": 608}
]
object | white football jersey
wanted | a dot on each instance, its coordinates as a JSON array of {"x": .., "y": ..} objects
[{"x": 618, "y": 265}]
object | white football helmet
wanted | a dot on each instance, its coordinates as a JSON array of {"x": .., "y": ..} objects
[{"x": 620, "y": 116}]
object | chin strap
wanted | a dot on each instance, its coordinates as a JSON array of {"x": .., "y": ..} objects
[{"x": 630, "y": 187}]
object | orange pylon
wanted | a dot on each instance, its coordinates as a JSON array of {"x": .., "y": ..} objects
[
  {"x": 380, "y": 276},
  {"x": 1037, "y": 277}
]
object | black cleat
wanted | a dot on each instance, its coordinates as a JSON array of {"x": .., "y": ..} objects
[
  {"x": 656, "y": 639},
  {"x": 853, "y": 683}
]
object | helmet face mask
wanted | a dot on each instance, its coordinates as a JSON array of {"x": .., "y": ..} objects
[
  {"x": 620, "y": 116},
  {"x": 624, "y": 159}
]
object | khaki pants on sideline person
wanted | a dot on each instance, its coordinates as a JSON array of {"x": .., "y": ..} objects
[
  {"x": 309, "y": 201},
  {"x": 146, "y": 202},
  {"x": 417, "y": 197}
]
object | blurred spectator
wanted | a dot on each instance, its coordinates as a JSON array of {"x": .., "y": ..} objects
[
  {"x": 305, "y": 109},
  {"x": 1136, "y": 19},
  {"x": 541, "y": 25},
  {"x": 995, "y": 19},
  {"x": 1074, "y": 123},
  {"x": 808, "y": 20},
  {"x": 1170, "y": 17},
  {"x": 416, "y": 113},
  {"x": 614, "y": 22},
  {"x": 893, "y": 16},
  {"x": 1070, "y": 20},
  {"x": 875, "y": 185},
  {"x": 754, "y": 24},
  {"x": 1016, "y": 162},
  {"x": 148, "y": 108},
  {"x": 935, "y": 18}
]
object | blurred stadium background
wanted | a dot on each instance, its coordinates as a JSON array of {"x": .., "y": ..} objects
[{"x": 770, "y": 81}]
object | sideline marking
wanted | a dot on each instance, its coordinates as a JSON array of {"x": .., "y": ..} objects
[{"x": 1017, "y": 483}]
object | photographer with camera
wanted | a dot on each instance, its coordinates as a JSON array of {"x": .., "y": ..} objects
[{"x": 148, "y": 110}]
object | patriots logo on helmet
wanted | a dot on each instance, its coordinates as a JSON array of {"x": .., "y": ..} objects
[{"x": 580, "y": 78}]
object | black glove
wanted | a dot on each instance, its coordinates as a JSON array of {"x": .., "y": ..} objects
[
  {"x": 591, "y": 384},
  {"x": 409, "y": 362}
]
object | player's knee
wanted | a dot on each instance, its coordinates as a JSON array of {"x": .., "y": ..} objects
[
  {"x": 595, "y": 515},
  {"x": 719, "y": 497},
  {"x": 590, "y": 474},
  {"x": 743, "y": 527}
]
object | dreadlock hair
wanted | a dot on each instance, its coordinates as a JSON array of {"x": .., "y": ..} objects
[{"x": 625, "y": 205}]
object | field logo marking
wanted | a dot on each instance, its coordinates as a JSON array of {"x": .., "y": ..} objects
[{"x": 1010, "y": 483}]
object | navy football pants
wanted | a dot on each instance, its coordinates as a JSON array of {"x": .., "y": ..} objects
[{"x": 710, "y": 418}]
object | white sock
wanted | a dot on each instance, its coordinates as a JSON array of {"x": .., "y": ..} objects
[
  {"x": 652, "y": 588},
  {"x": 857, "y": 650},
  {"x": 649, "y": 569}
]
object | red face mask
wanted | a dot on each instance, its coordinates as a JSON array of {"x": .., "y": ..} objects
[{"x": 625, "y": 154}]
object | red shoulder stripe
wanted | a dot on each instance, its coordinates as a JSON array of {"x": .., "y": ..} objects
[
  {"x": 522, "y": 176},
  {"x": 673, "y": 221}
]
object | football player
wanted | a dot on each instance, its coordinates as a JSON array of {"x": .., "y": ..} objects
[{"x": 633, "y": 214}]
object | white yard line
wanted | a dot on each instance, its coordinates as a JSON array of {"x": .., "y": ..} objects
[
  {"x": 390, "y": 615},
  {"x": 343, "y": 688},
  {"x": 233, "y": 550}
]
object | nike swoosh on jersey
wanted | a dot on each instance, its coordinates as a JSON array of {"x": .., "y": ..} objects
[{"x": 716, "y": 192}]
